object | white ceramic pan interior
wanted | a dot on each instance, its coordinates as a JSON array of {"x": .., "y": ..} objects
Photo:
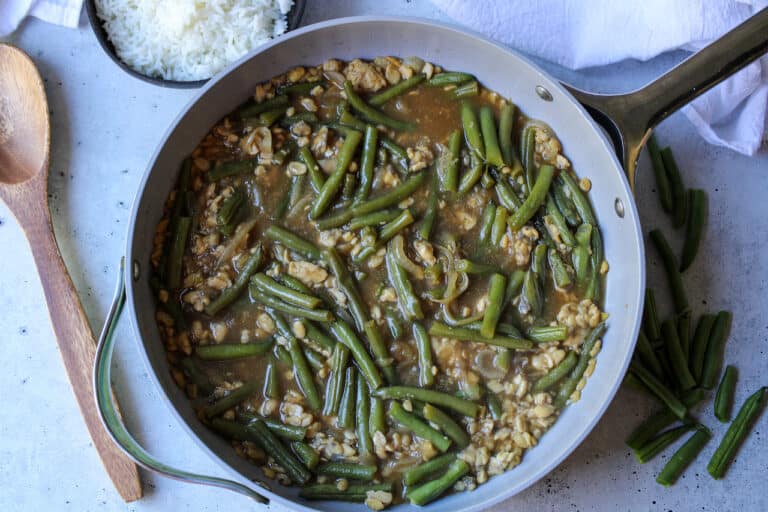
[{"x": 499, "y": 69}]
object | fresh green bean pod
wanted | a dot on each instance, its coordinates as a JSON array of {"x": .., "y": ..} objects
[
  {"x": 230, "y": 210},
  {"x": 472, "y": 267},
  {"x": 178, "y": 245},
  {"x": 699, "y": 345},
  {"x": 430, "y": 214},
  {"x": 696, "y": 222},
  {"x": 683, "y": 457},
  {"x": 506, "y": 196},
  {"x": 230, "y": 294},
  {"x": 232, "y": 168},
  {"x": 660, "y": 390},
  {"x": 648, "y": 429},
  {"x": 367, "y": 164},
  {"x": 418, "y": 427},
  {"x": 254, "y": 109},
  {"x": 270, "y": 117},
  {"x": 393, "y": 227},
  {"x": 651, "y": 324},
  {"x": 679, "y": 196},
  {"x": 672, "y": 268},
  {"x": 424, "y": 351},
  {"x": 398, "y": 153},
  {"x": 724, "y": 396},
  {"x": 380, "y": 351},
  {"x": 648, "y": 357},
  {"x": 396, "y": 90},
  {"x": 371, "y": 114},
  {"x": 655, "y": 446},
  {"x": 684, "y": 332},
  {"x": 660, "y": 172},
  {"x": 316, "y": 175},
  {"x": 713, "y": 358},
  {"x": 677, "y": 358},
  {"x": 271, "y": 379},
  {"x": 494, "y": 405}
]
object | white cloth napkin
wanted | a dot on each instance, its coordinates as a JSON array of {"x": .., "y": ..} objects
[
  {"x": 60, "y": 12},
  {"x": 584, "y": 33}
]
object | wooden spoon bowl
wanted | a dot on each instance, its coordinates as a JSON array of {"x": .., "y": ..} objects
[{"x": 25, "y": 136}]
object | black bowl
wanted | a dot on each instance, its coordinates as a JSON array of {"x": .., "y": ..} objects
[{"x": 293, "y": 19}]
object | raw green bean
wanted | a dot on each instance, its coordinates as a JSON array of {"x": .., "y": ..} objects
[
  {"x": 418, "y": 427},
  {"x": 724, "y": 396},
  {"x": 463, "y": 333},
  {"x": 193, "y": 372},
  {"x": 677, "y": 358},
  {"x": 374, "y": 218},
  {"x": 363, "y": 412},
  {"x": 565, "y": 205},
  {"x": 348, "y": 470},
  {"x": 344, "y": 333},
  {"x": 450, "y": 78},
  {"x": 696, "y": 221},
  {"x": 648, "y": 356},
  {"x": 306, "y": 454},
  {"x": 470, "y": 178},
  {"x": 499, "y": 227},
  {"x": 431, "y": 490},
  {"x": 367, "y": 164},
  {"x": 391, "y": 197},
  {"x": 569, "y": 384},
  {"x": 289, "y": 295},
  {"x": 531, "y": 300},
  {"x": 658, "y": 389},
  {"x": 699, "y": 345},
  {"x": 496, "y": 288},
  {"x": 467, "y": 90},
  {"x": 380, "y": 351},
  {"x": 430, "y": 214},
  {"x": 534, "y": 200},
  {"x": 648, "y": 429},
  {"x": 679, "y": 197},
  {"x": 560, "y": 272},
  {"x": 353, "y": 493},
  {"x": 472, "y": 133},
  {"x": 683, "y": 457},
  {"x": 713, "y": 359},
  {"x": 315, "y": 173},
  {"x": 370, "y": 113},
  {"x": 226, "y": 351},
  {"x": 255, "y": 109},
  {"x": 334, "y": 386},
  {"x": 334, "y": 182},
  {"x": 346, "y": 284},
  {"x": 490, "y": 137},
  {"x": 460, "y": 405},
  {"x": 406, "y": 298},
  {"x": 176, "y": 253},
  {"x": 450, "y": 177},
  {"x": 319, "y": 315},
  {"x": 486, "y": 223},
  {"x": 655, "y": 446},
  {"x": 650, "y": 317},
  {"x": 494, "y": 405},
  {"x": 416, "y": 474},
  {"x": 558, "y": 221},
  {"x": 662, "y": 180},
  {"x": 506, "y": 125},
  {"x": 378, "y": 420},
  {"x": 346, "y": 416},
  {"x": 736, "y": 433},
  {"x": 673, "y": 270},
  {"x": 424, "y": 351},
  {"x": 229, "y": 401},
  {"x": 229, "y": 295},
  {"x": 471, "y": 267},
  {"x": 684, "y": 332},
  {"x": 447, "y": 425},
  {"x": 547, "y": 333},
  {"x": 229, "y": 212},
  {"x": 396, "y": 90},
  {"x": 556, "y": 374},
  {"x": 292, "y": 242},
  {"x": 232, "y": 168}
]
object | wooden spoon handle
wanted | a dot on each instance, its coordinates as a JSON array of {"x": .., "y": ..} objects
[{"x": 76, "y": 344}]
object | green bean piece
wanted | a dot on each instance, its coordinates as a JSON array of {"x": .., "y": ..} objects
[
  {"x": 490, "y": 137},
  {"x": 506, "y": 196},
  {"x": 424, "y": 351},
  {"x": 648, "y": 429},
  {"x": 736, "y": 433},
  {"x": 466, "y": 334},
  {"x": 539, "y": 261},
  {"x": 319, "y": 315},
  {"x": 724, "y": 396},
  {"x": 696, "y": 222},
  {"x": 282, "y": 206},
  {"x": 447, "y": 425},
  {"x": 534, "y": 200},
  {"x": 258, "y": 433},
  {"x": 655, "y": 446},
  {"x": 565, "y": 205},
  {"x": 319, "y": 336},
  {"x": 684, "y": 332},
  {"x": 379, "y": 350},
  {"x": 232, "y": 168},
  {"x": 580, "y": 256},
  {"x": 356, "y": 493},
  {"x": 178, "y": 211},
  {"x": 494, "y": 405},
  {"x": 346, "y": 416},
  {"x": 472, "y": 267},
  {"x": 660, "y": 172},
  {"x": 651, "y": 324},
  {"x": 660, "y": 390},
  {"x": 373, "y": 219},
  {"x": 418, "y": 473},
  {"x": 346, "y": 284},
  {"x": 396, "y": 90},
  {"x": 307, "y": 117},
  {"x": 449, "y": 178},
  {"x": 254, "y": 109},
  {"x": 406, "y": 298},
  {"x": 648, "y": 356},
  {"x": 699, "y": 345},
  {"x": 299, "y": 88},
  {"x": 393, "y": 227},
  {"x": 394, "y": 323},
  {"x": 344, "y": 333},
  {"x": 450, "y": 78},
  {"x": 556, "y": 374},
  {"x": 467, "y": 90},
  {"x": 672, "y": 268},
  {"x": 472, "y": 132},
  {"x": 683, "y": 457},
  {"x": 176, "y": 253},
  {"x": 569, "y": 384},
  {"x": 677, "y": 358},
  {"x": 547, "y": 333},
  {"x": 506, "y": 126},
  {"x": 713, "y": 358},
  {"x": 363, "y": 412},
  {"x": 280, "y": 429},
  {"x": 398, "y": 153},
  {"x": 486, "y": 223},
  {"x": 271, "y": 379},
  {"x": 418, "y": 427},
  {"x": 229, "y": 401},
  {"x": 392, "y": 197},
  {"x": 371, "y": 114},
  {"x": 230, "y": 294},
  {"x": 470, "y": 178},
  {"x": 347, "y": 190},
  {"x": 335, "y": 219},
  {"x": 432, "y": 490},
  {"x": 227, "y": 351},
  {"x": 378, "y": 420},
  {"x": 229, "y": 212},
  {"x": 499, "y": 226},
  {"x": 430, "y": 214},
  {"x": 497, "y": 287},
  {"x": 348, "y": 470},
  {"x": 296, "y": 190},
  {"x": 313, "y": 169},
  {"x": 580, "y": 201},
  {"x": 558, "y": 221},
  {"x": 561, "y": 274},
  {"x": 315, "y": 359},
  {"x": 334, "y": 386},
  {"x": 531, "y": 300},
  {"x": 292, "y": 241},
  {"x": 308, "y": 456},
  {"x": 460, "y": 405},
  {"x": 527, "y": 150},
  {"x": 304, "y": 376},
  {"x": 193, "y": 371},
  {"x": 270, "y": 117},
  {"x": 333, "y": 183},
  {"x": 367, "y": 164},
  {"x": 289, "y": 295},
  {"x": 679, "y": 197}
]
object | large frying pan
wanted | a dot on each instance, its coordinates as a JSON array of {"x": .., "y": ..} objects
[{"x": 608, "y": 161}]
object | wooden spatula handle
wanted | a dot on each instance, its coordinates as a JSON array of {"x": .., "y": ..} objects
[{"x": 76, "y": 343}]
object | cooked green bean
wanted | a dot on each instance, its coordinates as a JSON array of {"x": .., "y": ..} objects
[
  {"x": 736, "y": 433},
  {"x": 282, "y": 355},
  {"x": 447, "y": 425},
  {"x": 558, "y": 221},
  {"x": 569, "y": 384},
  {"x": 506, "y": 196},
  {"x": 226, "y": 351},
  {"x": 470, "y": 178},
  {"x": 319, "y": 315},
  {"x": 346, "y": 416},
  {"x": 230, "y": 210},
  {"x": 230, "y": 294},
  {"x": 547, "y": 333},
  {"x": 373, "y": 219},
  {"x": 334, "y": 386},
  {"x": 531, "y": 300},
  {"x": 450, "y": 78},
  {"x": 450, "y": 177},
  {"x": 467, "y": 90},
  {"x": 289, "y": 295},
  {"x": 348, "y": 470},
  {"x": 677, "y": 358},
  {"x": 292, "y": 242},
  {"x": 565, "y": 205},
  {"x": 713, "y": 358},
  {"x": 683, "y": 457},
  {"x": 315, "y": 359},
  {"x": 370, "y": 113},
  {"x": 698, "y": 218},
  {"x": 432, "y": 490},
  {"x": 299, "y": 88},
  {"x": 460, "y": 405},
  {"x": 506, "y": 125},
  {"x": 580, "y": 256},
  {"x": 472, "y": 133},
  {"x": 418, "y": 427},
  {"x": 270, "y": 117},
  {"x": 406, "y": 298},
  {"x": 396, "y": 90},
  {"x": 363, "y": 413},
  {"x": 424, "y": 351},
  {"x": 229, "y": 401},
  {"x": 534, "y": 200},
  {"x": 648, "y": 429},
  {"x": 490, "y": 137},
  {"x": 655, "y": 446},
  {"x": 353, "y": 493},
  {"x": 465, "y": 334},
  {"x": 193, "y": 372},
  {"x": 561, "y": 274},
  {"x": 556, "y": 374},
  {"x": 304, "y": 376},
  {"x": 430, "y": 214},
  {"x": 398, "y": 153},
  {"x": 580, "y": 201},
  {"x": 660, "y": 172},
  {"x": 367, "y": 164},
  {"x": 661, "y": 391},
  {"x": 315, "y": 173},
  {"x": 724, "y": 396},
  {"x": 496, "y": 288},
  {"x": 486, "y": 223},
  {"x": 393, "y": 227},
  {"x": 333, "y": 183},
  {"x": 379, "y": 350},
  {"x": 254, "y": 109},
  {"x": 471, "y": 267},
  {"x": 391, "y": 197},
  {"x": 673, "y": 272},
  {"x": 307, "y": 117},
  {"x": 418, "y": 473},
  {"x": 679, "y": 197},
  {"x": 527, "y": 149},
  {"x": 176, "y": 252},
  {"x": 499, "y": 226},
  {"x": 347, "y": 285},
  {"x": 378, "y": 420},
  {"x": 308, "y": 456},
  {"x": 344, "y": 333},
  {"x": 271, "y": 379},
  {"x": 280, "y": 429},
  {"x": 233, "y": 168},
  {"x": 494, "y": 405}
]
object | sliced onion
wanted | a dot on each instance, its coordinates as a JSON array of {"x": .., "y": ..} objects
[
  {"x": 458, "y": 322},
  {"x": 414, "y": 63},
  {"x": 484, "y": 364},
  {"x": 237, "y": 239},
  {"x": 335, "y": 77},
  {"x": 403, "y": 260}
]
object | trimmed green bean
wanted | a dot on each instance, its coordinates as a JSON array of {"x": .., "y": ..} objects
[
  {"x": 494, "y": 405},
  {"x": 499, "y": 226},
  {"x": 304, "y": 376},
  {"x": 534, "y": 200},
  {"x": 531, "y": 300},
  {"x": 398, "y": 153},
  {"x": 299, "y": 88},
  {"x": 178, "y": 244},
  {"x": 378, "y": 420},
  {"x": 673, "y": 273},
  {"x": 374, "y": 218},
  {"x": 319, "y": 315},
  {"x": 379, "y": 350},
  {"x": 472, "y": 267},
  {"x": 353, "y": 493},
  {"x": 393, "y": 227},
  {"x": 431, "y": 490},
  {"x": 226, "y": 351},
  {"x": 651, "y": 323},
  {"x": 370, "y": 113},
  {"x": 547, "y": 333},
  {"x": 348, "y": 470},
  {"x": 271, "y": 379},
  {"x": 560, "y": 272},
  {"x": 450, "y": 178},
  {"x": 527, "y": 149},
  {"x": 724, "y": 396},
  {"x": 270, "y": 117},
  {"x": 363, "y": 412},
  {"x": 346, "y": 284},
  {"x": 396, "y": 90},
  {"x": 292, "y": 241},
  {"x": 308, "y": 456},
  {"x": 684, "y": 332},
  {"x": 490, "y": 137},
  {"x": 661, "y": 391},
  {"x": 569, "y": 384},
  {"x": 344, "y": 333},
  {"x": 333, "y": 183},
  {"x": 470, "y": 178},
  {"x": 677, "y": 358},
  {"x": 346, "y": 416},
  {"x": 580, "y": 201},
  {"x": 334, "y": 386},
  {"x": 406, "y": 298},
  {"x": 648, "y": 429},
  {"x": 506, "y": 196},
  {"x": 699, "y": 345},
  {"x": 557, "y": 373},
  {"x": 496, "y": 290},
  {"x": 679, "y": 197},
  {"x": 698, "y": 217},
  {"x": 660, "y": 172},
  {"x": 367, "y": 164},
  {"x": 472, "y": 132},
  {"x": 506, "y": 125},
  {"x": 683, "y": 457},
  {"x": 486, "y": 223},
  {"x": 558, "y": 221},
  {"x": 289, "y": 295},
  {"x": 230, "y": 294},
  {"x": 648, "y": 356},
  {"x": 418, "y": 427},
  {"x": 450, "y": 78},
  {"x": 424, "y": 351},
  {"x": 315, "y": 173},
  {"x": 229, "y": 401},
  {"x": 307, "y": 117},
  {"x": 391, "y": 197},
  {"x": 655, "y": 446},
  {"x": 430, "y": 214},
  {"x": 418, "y": 473},
  {"x": 447, "y": 425},
  {"x": 467, "y": 90},
  {"x": 466, "y": 334},
  {"x": 280, "y": 429},
  {"x": 565, "y": 205},
  {"x": 460, "y": 405},
  {"x": 713, "y": 359},
  {"x": 315, "y": 359}
]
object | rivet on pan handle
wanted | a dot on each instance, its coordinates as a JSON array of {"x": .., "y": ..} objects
[
  {"x": 629, "y": 118},
  {"x": 111, "y": 419}
]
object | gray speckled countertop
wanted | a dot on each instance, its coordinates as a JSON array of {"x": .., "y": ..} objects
[{"x": 105, "y": 126}]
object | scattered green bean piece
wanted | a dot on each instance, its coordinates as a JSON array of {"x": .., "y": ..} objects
[
  {"x": 447, "y": 425},
  {"x": 466, "y": 334},
  {"x": 561, "y": 274},
  {"x": 344, "y": 333},
  {"x": 356, "y": 493},
  {"x": 724, "y": 396},
  {"x": 396, "y": 90},
  {"x": 229, "y": 295},
  {"x": 460, "y": 405},
  {"x": 416, "y": 474},
  {"x": 683, "y": 457},
  {"x": 679, "y": 197},
  {"x": 660, "y": 172},
  {"x": 226, "y": 351},
  {"x": 280, "y": 429},
  {"x": 648, "y": 429},
  {"x": 648, "y": 356},
  {"x": 699, "y": 345},
  {"x": 334, "y": 182},
  {"x": 349, "y": 470},
  {"x": 497, "y": 287},
  {"x": 684, "y": 332},
  {"x": 655, "y": 446},
  {"x": 391, "y": 197},
  {"x": 450, "y": 78},
  {"x": 231, "y": 400},
  {"x": 418, "y": 427},
  {"x": 393, "y": 227},
  {"x": 673, "y": 271},
  {"x": 677, "y": 358},
  {"x": 346, "y": 416},
  {"x": 431, "y": 490},
  {"x": 534, "y": 200},
  {"x": 471, "y": 267},
  {"x": 556, "y": 374},
  {"x": 658, "y": 389},
  {"x": 569, "y": 384},
  {"x": 299, "y": 88},
  {"x": 547, "y": 333},
  {"x": 736, "y": 433},
  {"x": 713, "y": 359},
  {"x": 370, "y": 113},
  {"x": 696, "y": 221}
]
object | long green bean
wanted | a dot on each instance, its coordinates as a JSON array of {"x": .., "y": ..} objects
[
  {"x": 430, "y": 214},
  {"x": 561, "y": 274},
  {"x": 229, "y": 212},
  {"x": 467, "y": 90},
  {"x": 547, "y": 333},
  {"x": 565, "y": 205},
  {"x": 450, "y": 177},
  {"x": 349, "y": 470},
  {"x": 450, "y": 78},
  {"x": 178, "y": 244},
  {"x": 660, "y": 172},
  {"x": 315, "y": 173},
  {"x": 490, "y": 137},
  {"x": 367, "y": 164},
  {"x": 569, "y": 384},
  {"x": 418, "y": 427},
  {"x": 319, "y": 315},
  {"x": 460, "y": 405},
  {"x": 334, "y": 386},
  {"x": 534, "y": 200},
  {"x": 651, "y": 323},
  {"x": 699, "y": 345},
  {"x": 333, "y": 183},
  {"x": 406, "y": 298},
  {"x": 229, "y": 401},
  {"x": 391, "y": 197},
  {"x": 447, "y": 425},
  {"x": 648, "y": 356},
  {"x": 193, "y": 371},
  {"x": 684, "y": 332},
  {"x": 683, "y": 457},
  {"x": 527, "y": 150},
  {"x": 507, "y": 197},
  {"x": 496, "y": 289},
  {"x": 226, "y": 351},
  {"x": 292, "y": 241},
  {"x": 370, "y": 113},
  {"x": 232, "y": 168},
  {"x": 424, "y": 351},
  {"x": 344, "y": 333},
  {"x": 378, "y": 420},
  {"x": 363, "y": 412},
  {"x": 356, "y": 493},
  {"x": 472, "y": 131},
  {"x": 558, "y": 221},
  {"x": 506, "y": 125},
  {"x": 418, "y": 473},
  {"x": 270, "y": 286},
  {"x": 676, "y": 356},
  {"x": 466, "y": 334},
  {"x": 431, "y": 490},
  {"x": 532, "y": 299},
  {"x": 724, "y": 396},
  {"x": 254, "y": 109},
  {"x": 655, "y": 446},
  {"x": 698, "y": 217},
  {"x": 713, "y": 358},
  {"x": 306, "y": 453},
  {"x": 346, "y": 416},
  {"x": 679, "y": 197},
  {"x": 380, "y": 351},
  {"x": 347, "y": 285},
  {"x": 648, "y": 429},
  {"x": 230, "y": 294},
  {"x": 672, "y": 268},
  {"x": 396, "y": 90},
  {"x": 661, "y": 391},
  {"x": 271, "y": 379}
]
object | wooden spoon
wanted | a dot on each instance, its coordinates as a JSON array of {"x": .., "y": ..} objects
[{"x": 24, "y": 150}]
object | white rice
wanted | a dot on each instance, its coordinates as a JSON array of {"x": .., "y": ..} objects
[{"x": 188, "y": 39}]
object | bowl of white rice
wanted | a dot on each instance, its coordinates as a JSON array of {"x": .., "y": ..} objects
[{"x": 183, "y": 43}]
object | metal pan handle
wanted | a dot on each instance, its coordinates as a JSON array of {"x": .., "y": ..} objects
[
  {"x": 629, "y": 118},
  {"x": 110, "y": 417}
]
